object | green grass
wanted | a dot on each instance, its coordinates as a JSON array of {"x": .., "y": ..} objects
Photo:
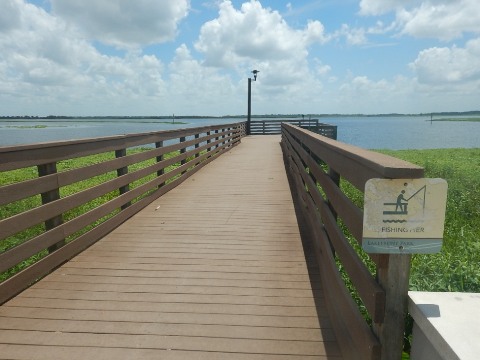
[
  {"x": 455, "y": 268},
  {"x": 17, "y": 207},
  {"x": 27, "y": 126}
]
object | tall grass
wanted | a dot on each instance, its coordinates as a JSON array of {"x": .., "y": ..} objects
[
  {"x": 8, "y": 210},
  {"x": 456, "y": 267}
]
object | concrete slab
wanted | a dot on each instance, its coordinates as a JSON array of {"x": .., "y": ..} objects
[{"x": 449, "y": 322}]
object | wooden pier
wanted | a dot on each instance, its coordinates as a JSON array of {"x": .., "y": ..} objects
[
  {"x": 198, "y": 243},
  {"x": 214, "y": 269}
]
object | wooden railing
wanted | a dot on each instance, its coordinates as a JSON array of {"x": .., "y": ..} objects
[
  {"x": 133, "y": 170},
  {"x": 317, "y": 166},
  {"x": 274, "y": 126}
]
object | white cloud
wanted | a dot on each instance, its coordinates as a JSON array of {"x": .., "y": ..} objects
[
  {"x": 125, "y": 23},
  {"x": 379, "y": 7},
  {"x": 193, "y": 85},
  {"x": 355, "y": 36},
  {"x": 439, "y": 19},
  {"x": 258, "y": 37},
  {"x": 254, "y": 33},
  {"x": 362, "y": 94},
  {"x": 449, "y": 66},
  {"x": 10, "y": 15},
  {"x": 322, "y": 69},
  {"x": 444, "y": 20},
  {"x": 43, "y": 62}
]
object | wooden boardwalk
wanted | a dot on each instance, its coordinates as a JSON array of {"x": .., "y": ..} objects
[{"x": 214, "y": 269}]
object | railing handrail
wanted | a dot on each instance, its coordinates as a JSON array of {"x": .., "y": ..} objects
[
  {"x": 124, "y": 193},
  {"x": 273, "y": 126},
  {"x": 30, "y": 154},
  {"x": 315, "y": 161}
]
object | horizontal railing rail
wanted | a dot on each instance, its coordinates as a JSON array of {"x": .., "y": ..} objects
[
  {"x": 318, "y": 166},
  {"x": 61, "y": 210},
  {"x": 274, "y": 126}
]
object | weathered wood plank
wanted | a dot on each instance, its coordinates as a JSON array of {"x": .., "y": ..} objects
[
  {"x": 213, "y": 269},
  {"x": 43, "y": 352}
]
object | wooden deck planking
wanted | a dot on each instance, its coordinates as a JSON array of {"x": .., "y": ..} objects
[{"x": 214, "y": 269}]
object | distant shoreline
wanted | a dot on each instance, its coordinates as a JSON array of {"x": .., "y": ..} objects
[
  {"x": 457, "y": 119},
  {"x": 89, "y": 120},
  {"x": 263, "y": 116}
]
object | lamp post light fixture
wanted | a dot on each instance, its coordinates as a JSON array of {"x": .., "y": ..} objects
[{"x": 249, "y": 114}]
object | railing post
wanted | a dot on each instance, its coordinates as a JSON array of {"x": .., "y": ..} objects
[
  {"x": 208, "y": 141},
  {"x": 229, "y": 133},
  {"x": 183, "y": 151},
  {"x": 394, "y": 278},
  {"x": 123, "y": 171},
  {"x": 160, "y": 172},
  {"x": 249, "y": 114},
  {"x": 197, "y": 145},
  {"x": 223, "y": 137},
  {"x": 336, "y": 180},
  {"x": 49, "y": 196}
]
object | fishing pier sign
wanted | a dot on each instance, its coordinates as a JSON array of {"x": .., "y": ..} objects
[{"x": 404, "y": 216}]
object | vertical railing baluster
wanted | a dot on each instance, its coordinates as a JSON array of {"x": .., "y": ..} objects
[
  {"x": 183, "y": 151},
  {"x": 197, "y": 145},
  {"x": 120, "y": 172},
  {"x": 208, "y": 141},
  {"x": 49, "y": 196},
  {"x": 159, "y": 144},
  {"x": 336, "y": 180}
]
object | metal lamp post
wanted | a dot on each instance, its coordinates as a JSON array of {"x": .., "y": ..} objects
[{"x": 249, "y": 116}]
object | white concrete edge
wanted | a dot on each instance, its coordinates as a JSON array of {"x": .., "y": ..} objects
[{"x": 428, "y": 329}]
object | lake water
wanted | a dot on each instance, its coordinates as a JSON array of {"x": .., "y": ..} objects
[{"x": 395, "y": 133}]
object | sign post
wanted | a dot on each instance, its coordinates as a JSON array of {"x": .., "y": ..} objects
[{"x": 404, "y": 216}]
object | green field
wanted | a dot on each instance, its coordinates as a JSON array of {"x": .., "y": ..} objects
[
  {"x": 17, "y": 207},
  {"x": 455, "y": 268}
]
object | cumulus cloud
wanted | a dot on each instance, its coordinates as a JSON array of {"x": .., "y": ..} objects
[
  {"x": 440, "y": 19},
  {"x": 10, "y": 15},
  {"x": 443, "y": 66},
  {"x": 42, "y": 58},
  {"x": 125, "y": 23},
  {"x": 254, "y": 33},
  {"x": 257, "y": 37},
  {"x": 353, "y": 36},
  {"x": 445, "y": 20},
  {"x": 193, "y": 85}
]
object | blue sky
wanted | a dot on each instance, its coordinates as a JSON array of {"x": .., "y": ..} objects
[{"x": 150, "y": 57}]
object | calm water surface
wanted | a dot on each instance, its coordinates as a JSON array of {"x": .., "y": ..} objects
[{"x": 367, "y": 132}]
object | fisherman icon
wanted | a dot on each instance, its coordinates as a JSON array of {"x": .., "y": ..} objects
[{"x": 401, "y": 204}]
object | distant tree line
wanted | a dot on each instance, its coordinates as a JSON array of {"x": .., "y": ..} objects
[{"x": 60, "y": 117}]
